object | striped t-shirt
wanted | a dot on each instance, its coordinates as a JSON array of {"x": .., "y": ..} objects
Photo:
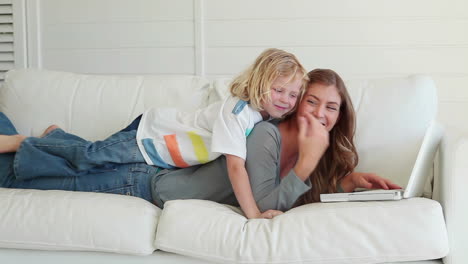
[{"x": 170, "y": 138}]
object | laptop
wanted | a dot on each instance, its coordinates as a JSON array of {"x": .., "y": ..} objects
[{"x": 416, "y": 181}]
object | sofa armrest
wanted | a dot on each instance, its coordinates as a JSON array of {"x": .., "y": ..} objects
[{"x": 450, "y": 183}]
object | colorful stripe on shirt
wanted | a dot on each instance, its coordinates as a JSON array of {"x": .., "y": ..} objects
[
  {"x": 201, "y": 152},
  {"x": 174, "y": 151},
  {"x": 153, "y": 154}
]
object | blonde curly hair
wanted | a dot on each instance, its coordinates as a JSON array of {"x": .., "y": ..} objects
[{"x": 254, "y": 84}]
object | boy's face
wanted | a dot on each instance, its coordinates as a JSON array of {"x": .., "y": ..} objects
[{"x": 284, "y": 93}]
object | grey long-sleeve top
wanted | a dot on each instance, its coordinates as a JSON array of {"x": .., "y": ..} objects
[{"x": 211, "y": 181}]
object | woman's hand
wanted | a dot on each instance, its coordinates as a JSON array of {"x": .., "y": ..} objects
[
  {"x": 313, "y": 141},
  {"x": 269, "y": 214},
  {"x": 366, "y": 180},
  {"x": 313, "y": 137}
]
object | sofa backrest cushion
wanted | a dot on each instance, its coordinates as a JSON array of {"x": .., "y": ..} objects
[
  {"x": 393, "y": 116},
  {"x": 92, "y": 106}
]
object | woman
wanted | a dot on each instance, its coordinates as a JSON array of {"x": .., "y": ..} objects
[{"x": 313, "y": 147}]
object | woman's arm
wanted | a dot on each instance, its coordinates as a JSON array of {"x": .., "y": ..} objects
[{"x": 263, "y": 163}]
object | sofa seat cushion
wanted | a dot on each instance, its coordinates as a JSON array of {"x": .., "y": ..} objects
[
  {"x": 357, "y": 232},
  {"x": 64, "y": 220}
]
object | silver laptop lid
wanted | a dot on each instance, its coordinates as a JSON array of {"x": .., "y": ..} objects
[{"x": 424, "y": 161}]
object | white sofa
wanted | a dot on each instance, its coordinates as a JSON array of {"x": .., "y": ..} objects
[{"x": 393, "y": 115}]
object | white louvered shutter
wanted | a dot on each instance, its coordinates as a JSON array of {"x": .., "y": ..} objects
[{"x": 7, "y": 58}]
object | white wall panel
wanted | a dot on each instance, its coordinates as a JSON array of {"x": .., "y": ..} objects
[
  {"x": 452, "y": 88},
  {"x": 351, "y": 62},
  {"x": 137, "y": 61},
  {"x": 452, "y": 114},
  {"x": 119, "y": 35},
  {"x": 98, "y": 11},
  {"x": 337, "y": 32},
  {"x": 260, "y": 9}
]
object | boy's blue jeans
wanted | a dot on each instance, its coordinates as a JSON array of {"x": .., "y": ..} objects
[
  {"x": 130, "y": 179},
  {"x": 63, "y": 154}
]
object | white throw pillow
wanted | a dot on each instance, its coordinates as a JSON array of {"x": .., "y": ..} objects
[
  {"x": 358, "y": 232},
  {"x": 83, "y": 221}
]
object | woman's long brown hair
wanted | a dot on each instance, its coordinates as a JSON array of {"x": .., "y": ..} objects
[{"x": 341, "y": 156}]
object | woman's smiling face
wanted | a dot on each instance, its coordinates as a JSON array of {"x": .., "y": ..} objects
[{"x": 323, "y": 102}]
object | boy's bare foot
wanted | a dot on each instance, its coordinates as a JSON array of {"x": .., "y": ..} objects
[
  {"x": 10, "y": 143},
  {"x": 49, "y": 129}
]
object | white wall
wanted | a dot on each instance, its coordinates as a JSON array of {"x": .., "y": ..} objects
[
  {"x": 116, "y": 36},
  {"x": 359, "y": 38}
]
